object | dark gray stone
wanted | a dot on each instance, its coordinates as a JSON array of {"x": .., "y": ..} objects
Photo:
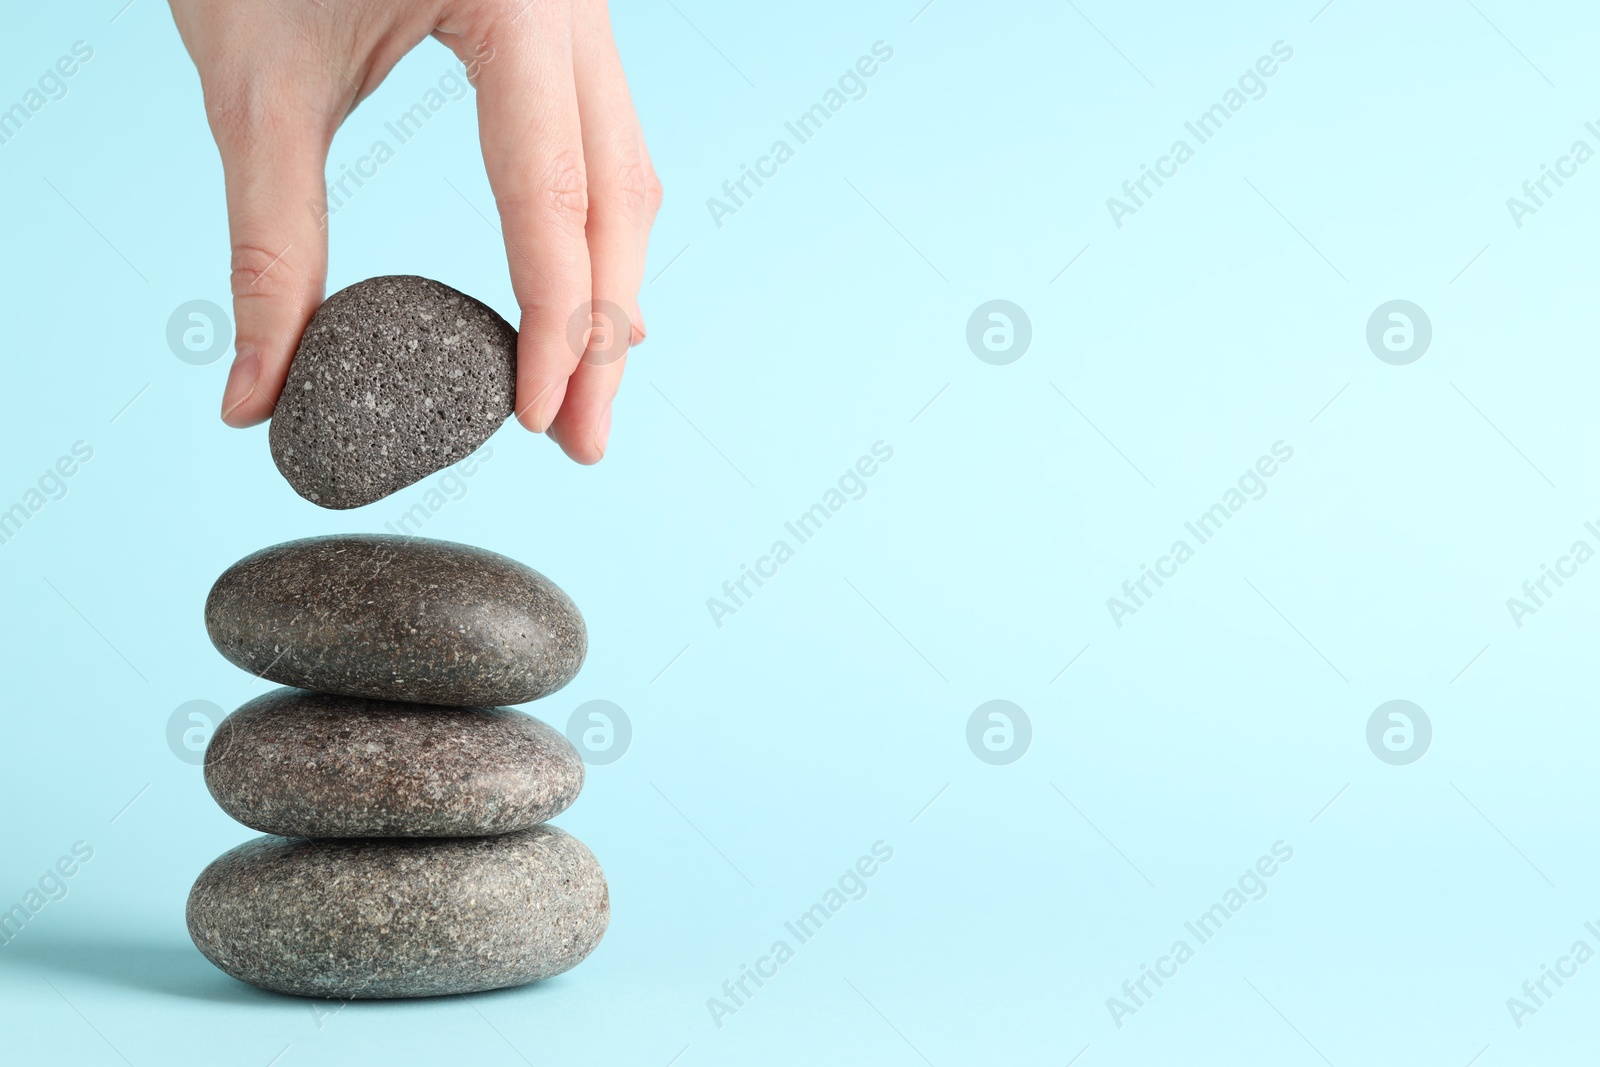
[
  {"x": 400, "y": 918},
  {"x": 313, "y": 765},
  {"x": 397, "y": 618},
  {"x": 395, "y": 378}
]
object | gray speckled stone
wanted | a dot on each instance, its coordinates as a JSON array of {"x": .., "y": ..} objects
[
  {"x": 313, "y": 765},
  {"x": 400, "y": 918},
  {"x": 397, "y": 618},
  {"x": 395, "y": 378}
]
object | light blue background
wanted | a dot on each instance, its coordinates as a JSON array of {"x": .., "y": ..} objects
[{"x": 822, "y": 717}]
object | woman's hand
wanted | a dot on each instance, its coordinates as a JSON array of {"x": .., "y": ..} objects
[{"x": 561, "y": 143}]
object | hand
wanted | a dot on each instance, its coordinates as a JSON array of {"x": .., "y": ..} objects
[{"x": 561, "y": 143}]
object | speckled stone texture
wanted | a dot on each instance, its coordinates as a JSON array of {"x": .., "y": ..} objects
[
  {"x": 395, "y": 378},
  {"x": 397, "y": 618},
  {"x": 400, "y": 918},
  {"x": 312, "y": 765}
]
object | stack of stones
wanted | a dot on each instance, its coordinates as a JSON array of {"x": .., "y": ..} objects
[{"x": 407, "y": 852}]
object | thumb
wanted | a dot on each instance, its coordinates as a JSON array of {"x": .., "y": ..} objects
[{"x": 277, "y": 223}]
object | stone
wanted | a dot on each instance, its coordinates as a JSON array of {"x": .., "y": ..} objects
[
  {"x": 367, "y": 919},
  {"x": 395, "y": 378},
  {"x": 307, "y": 764},
  {"x": 391, "y": 617}
]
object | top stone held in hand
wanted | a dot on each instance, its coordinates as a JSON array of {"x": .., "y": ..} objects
[{"x": 395, "y": 378}]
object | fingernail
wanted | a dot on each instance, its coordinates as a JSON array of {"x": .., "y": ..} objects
[
  {"x": 602, "y": 434},
  {"x": 242, "y": 379}
]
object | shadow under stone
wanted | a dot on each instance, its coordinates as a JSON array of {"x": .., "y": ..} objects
[
  {"x": 156, "y": 966},
  {"x": 178, "y": 969}
]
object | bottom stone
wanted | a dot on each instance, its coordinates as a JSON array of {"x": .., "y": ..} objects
[{"x": 415, "y": 917}]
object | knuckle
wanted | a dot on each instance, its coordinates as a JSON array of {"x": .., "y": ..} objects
[
  {"x": 652, "y": 190},
  {"x": 232, "y": 115},
  {"x": 635, "y": 192},
  {"x": 246, "y": 108},
  {"x": 566, "y": 191},
  {"x": 256, "y": 271}
]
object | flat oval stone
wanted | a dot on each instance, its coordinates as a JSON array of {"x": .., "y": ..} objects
[
  {"x": 395, "y": 378},
  {"x": 400, "y": 918},
  {"x": 308, "y": 764},
  {"x": 397, "y": 618}
]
